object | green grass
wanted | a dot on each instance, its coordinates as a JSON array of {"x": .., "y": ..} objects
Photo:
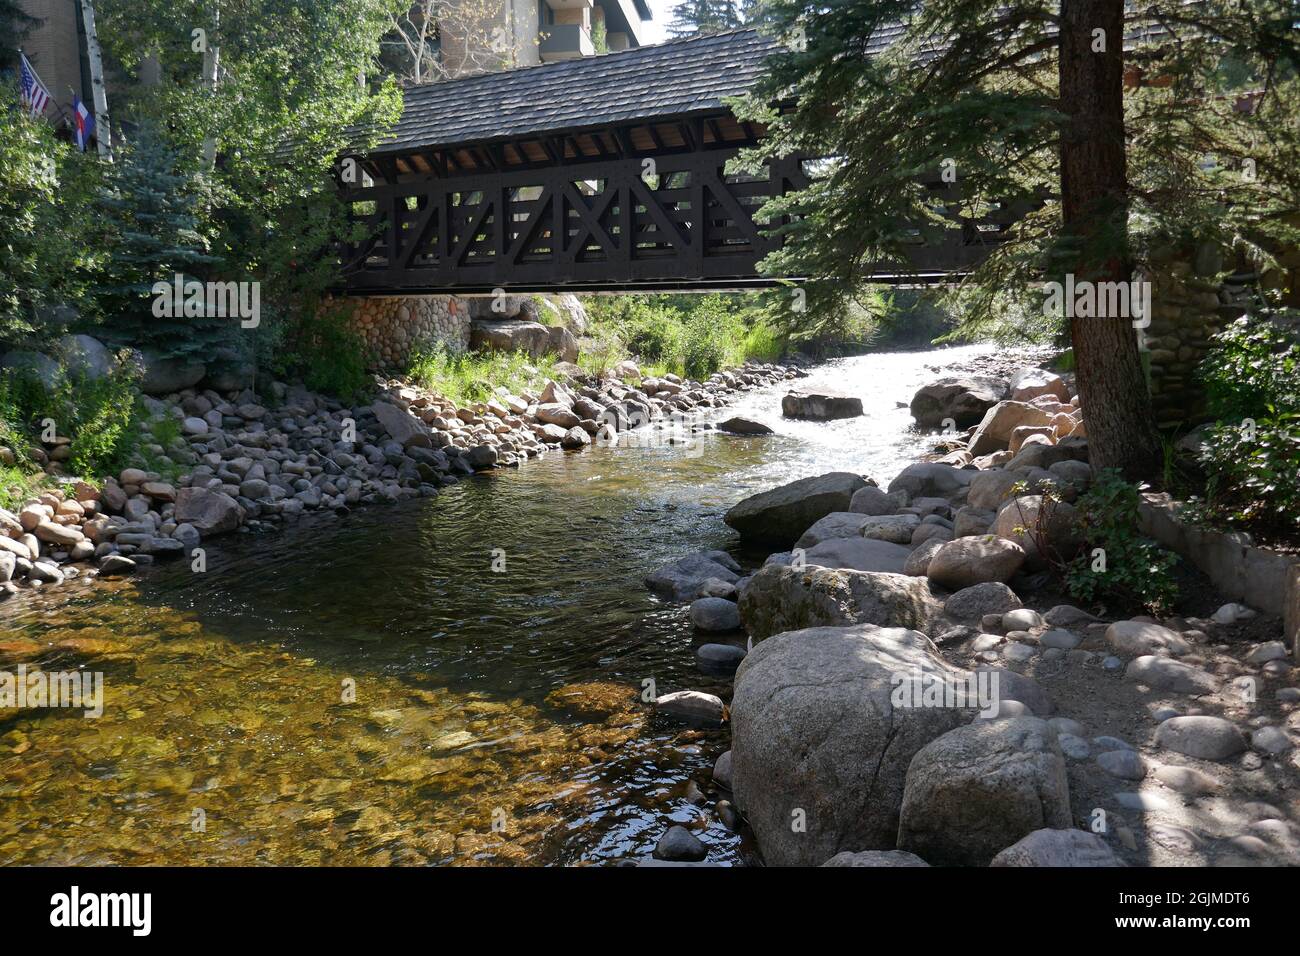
[
  {"x": 18, "y": 484},
  {"x": 467, "y": 377}
]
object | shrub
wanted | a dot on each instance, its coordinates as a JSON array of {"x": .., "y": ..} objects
[
  {"x": 1117, "y": 563},
  {"x": 332, "y": 356},
  {"x": 97, "y": 414},
  {"x": 1251, "y": 455}
]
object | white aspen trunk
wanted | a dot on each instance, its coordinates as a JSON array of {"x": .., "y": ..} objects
[{"x": 98, "y": 92}]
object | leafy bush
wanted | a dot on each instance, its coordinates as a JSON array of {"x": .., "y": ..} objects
[
  {"x": 99, "y": 415},
  {"x": 1117, "y": 563},
  {"x": 332, "y": 356},
  {"x": 1251, "y": 456}
]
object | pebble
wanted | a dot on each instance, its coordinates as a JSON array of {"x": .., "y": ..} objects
[
  {"x": 1124, "y": 764},
  {"x": 726, "y": 811},
  {"x": 1066, "y": 725},
  {"x": 1186, "y": 780},
  {"x": 1112, "y": 663},
  {"x": 1076, "y": 748}
]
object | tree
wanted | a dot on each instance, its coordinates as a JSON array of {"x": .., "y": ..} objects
[
  {"x": 154, "y": 203},
  {"x": 1026, "y": 104},
  {"x": 432, "y": 40},
  {"x": 703, "y": 16},
  {"x": 15, "y": 24}
]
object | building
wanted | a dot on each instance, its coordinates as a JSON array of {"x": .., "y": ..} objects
[
  {"x": 56, "y": 48},
  {"x": 483, "y": 35}
]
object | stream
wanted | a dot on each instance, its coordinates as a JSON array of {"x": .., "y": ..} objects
[{"x": 453, "y": 679}]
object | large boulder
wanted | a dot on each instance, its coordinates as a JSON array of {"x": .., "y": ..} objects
[
  {"x": 994, "y": 430},
  {"x": 820, "y": 406},
  {"x": 988, "y": 597},
  {"x": 1039, "y": 527},
  {"x": 84, "y": 356},
  {"x": 562, "y": 343},
  {"x": 34, "y": 365},
  {"x": 209, "y": 512},
  {"x": 819, "y": 750},
  {"x": 963, "y": 399},
  {"x": 781, "y": 598},
  {"x": 930, "y": 479},
  {"x": 981, "y": 787},
  {"x": 974, "y": 560},
  {"x": 402, "y": 427},
  {"x": 509, "y": 335},
  {"x": 837, "y": 524},
  {"x": 1144, "y": 637},
  {"x": 858, "y": 554},
  {"x": 896, "y": 528},
  {"x": 1030, "y": 383},
  {"x": 162, "y": 375},
  {"x": 1049, "y": 847},
  {"x": 781, "y": 515},
  {"x": 685, "y": 578},
  {"x": 989, "y": 489}
]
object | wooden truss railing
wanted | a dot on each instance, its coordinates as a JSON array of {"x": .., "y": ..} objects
[{"x": 676, "y": 220}]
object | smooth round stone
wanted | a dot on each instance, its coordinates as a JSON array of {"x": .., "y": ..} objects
[
  {"x": 986, "y": 642},
  {"x": 679, "y": 843},
  {"x": 1141, "y": 801},
  {"x": 692, "y": 707},
  {"x": 1006, "y": 708},
  {"x": 1054, "y": 654},
  {"x": 1270, "y": 740},
  {"x": 715, "y": 614},
  {"x": 1186, "y": 780},
  {"x": 1161, "y": 714},
  {"x": 726, "y": 811},
  {"x": 1021, "y": 619},
  {"x": 1210, "y": 738},
  {"x": 722, "y": 770},
  {"x": 1111, "y": 743},
  {"x": 1017, "y": 652},
  {"x": 1076, "y": 748},
  {"x": 720, "y": 656},
  {"x": 1125, "y": 764},
  {"x": 1112, "y": 663},
  {"x": 1289, "y": 695},
  {"x": 1059, "y": 637},
  {"x": 1066, "y": 725}
]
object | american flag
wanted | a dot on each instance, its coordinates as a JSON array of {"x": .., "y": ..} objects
[{"x": 35, "y": 96}]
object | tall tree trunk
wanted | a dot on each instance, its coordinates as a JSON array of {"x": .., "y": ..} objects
[
  {"x": 98, "y": 92},
  {"x": 1094, "y": 186}
]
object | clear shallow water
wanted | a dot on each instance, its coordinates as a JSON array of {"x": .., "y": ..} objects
[{"x": 497, "y": 716}]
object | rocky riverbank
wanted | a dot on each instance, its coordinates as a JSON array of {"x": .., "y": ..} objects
[
  {"x": 910, "y": 688},
  {"x": 246, "y": 462}
]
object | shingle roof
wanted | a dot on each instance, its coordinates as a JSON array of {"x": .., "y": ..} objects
[{"x": 679, "y": 77}]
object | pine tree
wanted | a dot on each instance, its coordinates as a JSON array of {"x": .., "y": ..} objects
[
  {"x": 1034, "y": 105},
  {"x": 152, "y": 204},
  {"x": 15, "y": 24},
  {"x": 703, "y": 16}
]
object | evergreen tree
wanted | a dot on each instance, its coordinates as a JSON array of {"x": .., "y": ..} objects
[
  {"x": 153, "y": 205},
  {"x": 15, "y": 24},
  {"x": 703, "y": 16},
  {"x": 1036, "y": 105}
]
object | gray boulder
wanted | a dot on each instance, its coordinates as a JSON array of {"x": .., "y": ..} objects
[
  {"x": 401, "y": 426},
  {"x": 162, "y": 376},
  {"x": 876, "y": 858},
  {"x": 1037, "y": 527},
  {"x": 858, "y": 554},
  {"x": 972, "y": 603},
  {"x": 981, "y": 787},
  {"x": 84, "y": 356},
  {"x": 837, "y": 524},
  {"x": 963, "y": 399},
  {"x": 780, "y": 598},
  {"x": 33, "y": 364},
  {"x": 819, "y": 751},
  {"x": 715, "y": 615},
  {"x": 975, "y": 560},
  {"x": 1162, "y": 673},
  {"x": 685, "y": 578},
  {"x": 1209, "y": 738},
  {"x": 820, "y": 406},
  {"x": 925, "y": 479},
  {"x": 509, "y": 335},
  {"x": 208, "y": 512},
  {"x": 1049, "y": 847},
  {"x": 781, "y": 515}
]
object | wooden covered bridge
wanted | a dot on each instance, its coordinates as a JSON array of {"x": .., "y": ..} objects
[{"x": 598, "y": 174}]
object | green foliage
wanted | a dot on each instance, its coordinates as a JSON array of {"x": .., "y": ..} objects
[
  {"x": 15, "y": 24},
  {"x": 466, "y": 377},
  {"x": 688, "y": 335},
  {"x": 985, "y": 106},
  {"x": 1137, "y": 571},
  {"x": 332, "y": 356},
  {"x": 97, "y": 414},
  {"x": 51, "y": 241},
  {"x": 703, "y": 16},
  {"x": 1251, "y": 455}
]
